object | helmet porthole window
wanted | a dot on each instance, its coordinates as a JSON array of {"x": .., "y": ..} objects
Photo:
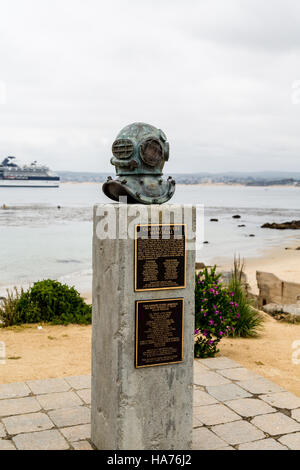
[
  {"x": 122, "y": 148},
  {"x": 151, "y": 152}
]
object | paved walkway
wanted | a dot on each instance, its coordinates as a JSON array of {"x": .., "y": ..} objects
[{"x": 233, "y": 409}]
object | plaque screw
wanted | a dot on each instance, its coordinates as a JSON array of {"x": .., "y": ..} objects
[
  {"x": 160, "y": 181},
  {"x": 124, "y": 181},
  {"x": 141, "y": 182}
]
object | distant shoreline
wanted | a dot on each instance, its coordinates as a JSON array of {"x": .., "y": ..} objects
[{"x": 204, "y": 184}]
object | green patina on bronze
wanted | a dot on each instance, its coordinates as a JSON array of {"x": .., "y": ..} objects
[{"x": 139, "y": 154}]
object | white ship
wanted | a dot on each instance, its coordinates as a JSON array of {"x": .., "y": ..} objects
[{"x": 33, "y": 175}]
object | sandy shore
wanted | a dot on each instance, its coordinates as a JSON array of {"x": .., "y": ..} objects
[
  {"x": 285, "y": 264},
  {"x": 53, "y": 351}
]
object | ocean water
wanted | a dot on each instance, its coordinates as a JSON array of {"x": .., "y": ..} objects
[{"x": 47, "y": 233}]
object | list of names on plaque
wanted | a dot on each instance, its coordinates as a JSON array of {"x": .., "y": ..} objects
[
  {"x": 160, "y": 257},
  {"x": 159, "y": 332}
]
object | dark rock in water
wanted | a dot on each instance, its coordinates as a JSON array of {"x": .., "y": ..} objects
[
  {"x": 298, "y": 249},
  {"x": 199, "y": 265},
  {"x": 251, "y": 235},
  {"x": 236, "y": 216},
  {"x": 205, "y": 243},
  {"x": 214, "y": 220},
  {"x": 293, "y": 225},
  {"x": 242, "y": 225}
]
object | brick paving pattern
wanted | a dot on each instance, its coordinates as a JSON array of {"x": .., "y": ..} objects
[{"x": 234, "y": 409}]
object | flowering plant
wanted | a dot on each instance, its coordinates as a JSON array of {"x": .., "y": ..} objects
[{"x": 216, "y": 312}]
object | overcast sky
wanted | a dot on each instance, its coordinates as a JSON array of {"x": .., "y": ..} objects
[{"x": 215, "y": 75}]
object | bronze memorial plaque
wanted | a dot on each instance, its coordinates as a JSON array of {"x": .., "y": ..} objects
[
  {"x": 159, "y": 332},
  {"x": 160, "y": 257}
]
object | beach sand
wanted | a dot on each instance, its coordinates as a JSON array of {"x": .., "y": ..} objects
[
  {"x": 285, "y": 264},
  {"x": 54, "y": 351}
]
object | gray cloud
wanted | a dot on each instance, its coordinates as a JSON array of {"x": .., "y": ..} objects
[{"x": 215, "y": 75}]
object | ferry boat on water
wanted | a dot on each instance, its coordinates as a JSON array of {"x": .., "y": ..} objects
[{"x": 33, "y": 175}]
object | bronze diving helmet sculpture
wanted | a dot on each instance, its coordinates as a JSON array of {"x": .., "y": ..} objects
[{"x": 139, "y": 154}]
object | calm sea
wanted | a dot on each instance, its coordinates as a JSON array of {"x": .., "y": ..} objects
[{"x": 38, "y": 240}]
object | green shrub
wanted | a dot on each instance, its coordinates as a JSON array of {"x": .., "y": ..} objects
[
  {"x": 250, "y": 320},
  {"x": 216, "y": 313},
  {"x": 50, "y": 301}
]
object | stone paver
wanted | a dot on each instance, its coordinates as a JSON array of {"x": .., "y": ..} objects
[
  {"x": 264, "y": 444},
  {"x": 43, "y": 440},
  {"x": 209, "y": 378},
  {"x": 55, "y": 413},
  {"x": 18, "y": 406},
  {"x": 284, "y": 400},
  {"x": 82, "y": 445},
  {"x": 202, "y": 398},
  {"x": 219, "y": 363},
  {"x": 85, "y": 395},
  {"x": 228, "y": 392},
  {"x": 198, "y": 366},
  {"x": 238, "y": 432},
  {"x": 77, "y": 433},
  {"x": 296, "y": 415},
  {"x": 2, "y": 431},
  {"x": 27, "y": 423},
  {"x": 248, "y": 407},
  {"x": 292, "y": 441},
  {"x": 39, "y": 387},
  {"x": 238, "y": 373},
  {"x": 215, "y": 414},
  {"x": 260, "y": 386},
  {"x": 53, "y": 401},
  {"x": 196, "y": 422},
  {"x": 276, "y": 424},
  {"x": 203, "y": 439},
  {"x": 14, "y": 390},
  {"x": 70, "y": 416},
  {"x": 79, "y": 382},
  {"x": 6, "y": 445}
]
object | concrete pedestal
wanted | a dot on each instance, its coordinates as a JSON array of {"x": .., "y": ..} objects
[{"x": 136, "y": 408}]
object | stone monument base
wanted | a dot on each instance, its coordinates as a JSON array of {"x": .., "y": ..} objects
[{"x": 149, "y": 406}]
